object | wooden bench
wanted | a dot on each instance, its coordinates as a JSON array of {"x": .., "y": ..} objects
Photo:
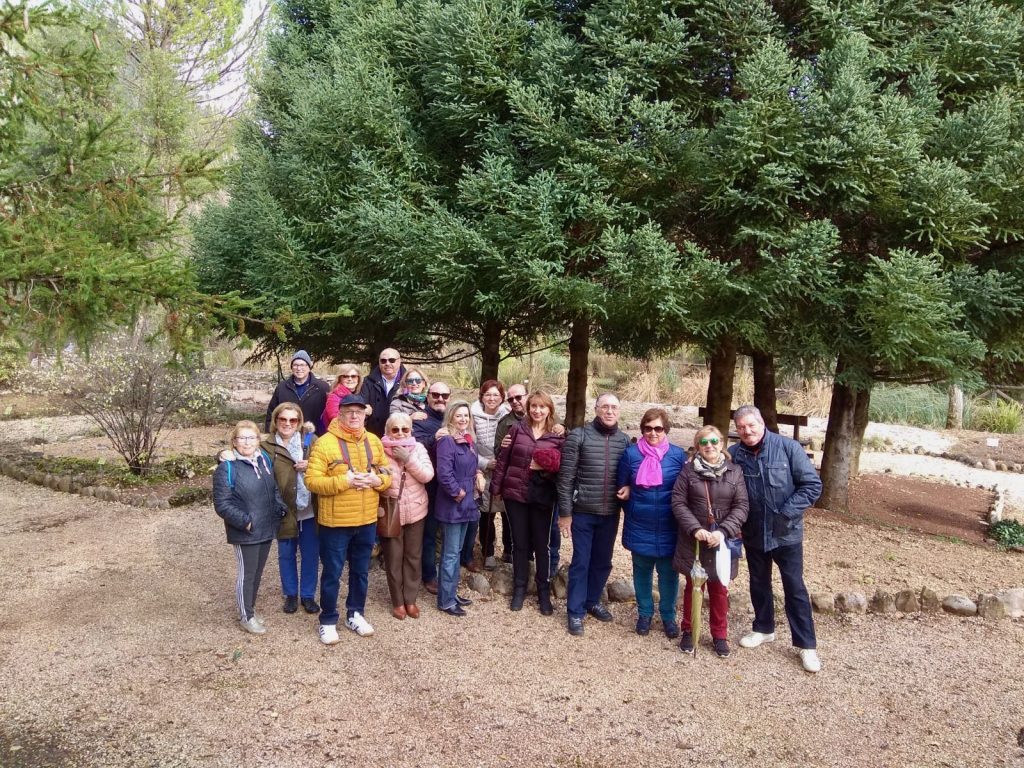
[{"x": 789, "y": 419}]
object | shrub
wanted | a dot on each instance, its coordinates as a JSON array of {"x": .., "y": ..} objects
[
  {"x": 1007, "y": 533},
  {"x": 915, "y": 406},
  {"x": 998, "y": 416}
]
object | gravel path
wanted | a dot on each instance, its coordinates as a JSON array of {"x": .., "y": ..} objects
[{"x": 119, "y": 648}]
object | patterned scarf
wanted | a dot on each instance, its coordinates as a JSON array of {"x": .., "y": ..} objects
[{"x": 709, "y": 471}]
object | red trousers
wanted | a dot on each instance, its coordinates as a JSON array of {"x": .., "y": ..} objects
[{"x": 718, "y": 603}]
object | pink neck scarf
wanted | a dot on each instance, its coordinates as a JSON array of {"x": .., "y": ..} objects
[
  {"x": 649, "y": 473},
  {"x": 391, "y": 442}
]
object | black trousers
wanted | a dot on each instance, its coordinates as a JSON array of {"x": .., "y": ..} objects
[{"x": 531, "y": 529}]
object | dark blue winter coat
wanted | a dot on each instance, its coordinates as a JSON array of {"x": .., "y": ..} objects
[
  {"x": 456, "y": 471},
  {"x": 649, "y": 527},
  {"x": 250, "y": 505}
]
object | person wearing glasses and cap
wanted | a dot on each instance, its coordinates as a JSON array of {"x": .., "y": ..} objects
[
  {"x": 381, "y": 387},
  {"x": 304, "y": 389},
  {"x": 647, "y": 471},
  {"x": 709, "y": 502}
]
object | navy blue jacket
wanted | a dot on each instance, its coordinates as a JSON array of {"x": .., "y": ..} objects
[
  {"x": 781, "y": 484},
  {"x": 311, "y": 403},
  {"x": 456, "y": 471},
  {"x": 248, "y": 499},
  {"x": 649, "y": 527}
]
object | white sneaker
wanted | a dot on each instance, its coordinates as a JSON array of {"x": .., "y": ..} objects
[
  {"x": 754, "y": 639},
  {"x": 329, "y": 634},
  {"x": 259, "y": 620},
  {"x": 809, "y": 659},
  {"x": 253, "y": 627},
  {"x": 359, "y": 625}
]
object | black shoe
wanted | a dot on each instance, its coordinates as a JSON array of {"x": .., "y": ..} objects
[
  {"x": 544, "y": 600},
  {"x": 291, "y": 604},
  {"x": 686, "y": 642},
  {"x": 575, "y": 626},
  {"x": 507, "y": 558},
  {"x": 455, "y": 610},
  {"x": 643, "y": 625},
  {"x": 600, "y": 613},
  {"x": 722, "y": 648},
  {"x": 671, "y": 629},
  {"x": 518, "y": 598},
  {"x": 463, "y": 601},
  {"x": 310, "y": 605}
]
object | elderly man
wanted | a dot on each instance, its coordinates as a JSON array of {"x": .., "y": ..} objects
[
  {"x": 381, "y": 387},
  {"x": 344, "y": 472},
  {"x": 781, "y": 484},
  {"x": 425, "y": 432},
  {"x": 588, "y": 509},
  {"x": 302, "y": 388}
]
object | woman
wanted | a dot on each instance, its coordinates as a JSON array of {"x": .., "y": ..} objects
[
  {"x": 487, "y": 411},
  {"x": 647, "y": 472},
  {"x": 459, "y": 481},
  {"x": 348, "y": 382},
  {"x": 245, "y": 495},
  {"x": 413, "y": 398},
  {"x": 709, "y": 502},
  {"x": 524, "y": 477},
  {"x": 288, "y": 449},
  {"x": 411, "y": 470}
]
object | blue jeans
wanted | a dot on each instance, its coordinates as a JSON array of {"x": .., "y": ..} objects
[
  {"x": 467, "y": 548},
  {"x": 668, "y": 586},
  {"x": 454, "y": 536},
  {"x": 790, "y": 560},
  {"x": 593, "y": 541},
  {"x": 307, "y": 548},
  {"x": 354, "y": 544},
  {"x": 429, "y": 564}
]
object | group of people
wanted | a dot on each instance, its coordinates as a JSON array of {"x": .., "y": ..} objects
[{"x": 396, "y": 441}]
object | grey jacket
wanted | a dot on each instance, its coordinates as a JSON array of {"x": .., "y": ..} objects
[
  {"x": 587, "y": 479},
  {"x": 248, "y": 499}
]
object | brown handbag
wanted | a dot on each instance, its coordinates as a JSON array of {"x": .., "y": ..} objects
[{"x": 389, "y": 518}]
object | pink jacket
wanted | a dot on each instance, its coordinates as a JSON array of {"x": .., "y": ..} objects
[
  {"x": 418, "y": 471},
  {"x": 334, "y": 398}
]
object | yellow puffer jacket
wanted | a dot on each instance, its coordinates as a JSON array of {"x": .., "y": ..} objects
[{"x": 338, "y": 504}]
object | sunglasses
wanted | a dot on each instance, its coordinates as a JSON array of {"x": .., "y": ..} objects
[
  {"x": 286, "y": 420},
  {"x": 441, "y": 395},
  {"x": 651, "y": 428},
  {"x": 515, "y": 398},
  {"x": 403, "y": 430},
  {"x": 414, "y": 380},
  {"x": 392, "y": 360},
  {"x": 709, "y": 441}
]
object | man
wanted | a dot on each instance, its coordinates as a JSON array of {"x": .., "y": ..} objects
[
  {"x": 344, "y": 473},
  {"x": 589, "y": 509},
  {"x": 302, "y": 388},
  {"x": 425, "y": 431},
  {"x": 781, "y": 484},
  {"x": 516, "y": 398},
  {"x": 381, "y": 387}
]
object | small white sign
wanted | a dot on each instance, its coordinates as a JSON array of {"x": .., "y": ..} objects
[{"x": 992, "y": 442}]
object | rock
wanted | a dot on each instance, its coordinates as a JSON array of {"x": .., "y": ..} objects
[
  {"x": 153, "y": 501},
  {"x": 979, "y": 465},
  {"x": 989, "y": 464},
  {"x": 621, "y": 591},
  {"x": 604, "y": 595},
  {"x": 88, "y": 491},
  {"x": 1001, "y": 466},
  {"x": 990, "y": 607},
  {"x": 479, "y": 584},
  {"x": 501, "y": 581},
  {"x": 64, "y": 484},
  {"x": 823, "y": 602},
  {"x": 560, "y": 583},
  {"x": 882, "y": 602},
  {"x": 907, "y": 602},
  {"x": 918, "y": 450},
  {"x": 1013, "y": 602},
  {"x": 1018, "y": 467},
  {"x": 960, "y": 605},
  {"x": 851, "y": 602},
  {"x": 929, "y": 600}
]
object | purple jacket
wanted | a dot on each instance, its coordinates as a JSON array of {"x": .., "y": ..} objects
[
  {"x": 511, "y": 479},
  {"x": 456, "y": 471}
]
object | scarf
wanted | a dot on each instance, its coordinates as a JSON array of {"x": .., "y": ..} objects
[
  {"x": 294, "y": 448},
  {"x": 254, "y": 460},
  {"x": 465, "y": 438},
  {"x": 412, "y": 397},
  {"x": 390, "y": 443},
  {"x": 356, "y": 433},
  {"x": 603, "y": 429},
  {"x": 709, "y": 471},
  {"x": 649, "y": 474}
]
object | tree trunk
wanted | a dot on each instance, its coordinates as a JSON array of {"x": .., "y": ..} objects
[
  {"x": 860, "y": 425},
  {"x": 840, "y": 460},
  {"x": 723, "y": 370},
  {"x": 490, "y": 354},
  {"x": 579, "y": 359},
  {"x": 764, "y": 388},
  {"x": 955, "y": 411}
]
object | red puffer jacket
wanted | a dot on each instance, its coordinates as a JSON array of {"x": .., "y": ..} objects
[{"x": 511, "y": 479}]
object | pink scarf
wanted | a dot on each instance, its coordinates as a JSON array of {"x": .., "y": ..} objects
[
  {"x": 649, "y": 473},
  {"x": 390, "y": 443}
]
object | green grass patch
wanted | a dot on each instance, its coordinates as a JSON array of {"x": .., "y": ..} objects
[{"x": 1007, "y": 533}]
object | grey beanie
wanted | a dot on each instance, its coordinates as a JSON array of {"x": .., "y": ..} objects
[{"x": 303, "y": 356}]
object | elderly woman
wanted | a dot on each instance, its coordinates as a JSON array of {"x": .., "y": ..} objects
[
  {"x": 245, "y": 496},
  {"x": 411, "y": 470},
  {"x": 647, "y": 472},
  {"x": 524, "y": 477},
  {"x": 709, "y": 502},
  {"x": 348, "y": 382},
  {"x": 487, "y": 411},
  {"x": 288, "y": 449},
  {"x": 413, "y": 397},
  {"x": 459, "y": 482}
]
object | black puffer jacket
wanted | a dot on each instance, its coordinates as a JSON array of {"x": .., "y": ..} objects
[
  {"x": 587, "y": 478},
  {"x": 248, "y": 498},
  {"x": 311, "y": 403}
]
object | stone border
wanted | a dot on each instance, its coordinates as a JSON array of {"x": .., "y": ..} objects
[
  {"x": 70, "y": 484},
  {"x": 1006, "y": 603},
  {"x": 988, "y": 464}
]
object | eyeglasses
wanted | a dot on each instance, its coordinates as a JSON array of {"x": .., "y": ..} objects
[
  {"x": 286, "y": 420},
  {"x": 349, "y": 376},
  {"x": 247, "y": 438},
  {"x": 651, "y": 428},
  {"x": 403, "y": 430},
  {"x": 391, "y": 360},
  {"x": 441, "y": 395},
  {"x": 709, "y": 441},
  {"x": 515, "y": 398},
  {"x": 414, "y": 380}
]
